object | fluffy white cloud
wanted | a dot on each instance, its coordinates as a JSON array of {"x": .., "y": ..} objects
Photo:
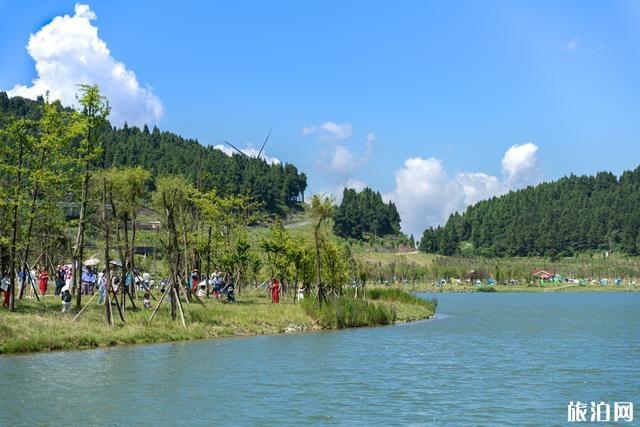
[
  {"x": 478, "y": 186},
  {"x": 426, "y": 195},
  {"x": 249, "y": 151},
  {"x": 342, "y": 161},
  {"x": 68, "y": 52},
  {"x": 519, "y": 165},
  {"x": 330, "y": 131}
]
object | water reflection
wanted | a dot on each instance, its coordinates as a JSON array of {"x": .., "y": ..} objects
[{"x": 487, "y": 359}]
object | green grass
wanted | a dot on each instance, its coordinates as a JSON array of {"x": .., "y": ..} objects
[
  {"x": 373, "y": 255},
  {"x": 346, "y": 313},
  {"x": 486, "y": 289},
  {"x": 381, "y": 307},
  {"x": 398, "y": 295},
  {"x": 42, "y": 327}
]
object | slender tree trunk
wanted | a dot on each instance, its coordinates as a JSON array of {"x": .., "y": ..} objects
[
  {"x": 208, "y": 260},
  {"x": 126, "y": 260},
  {"x": 32, "y": 213},
  {"x": 295, "y": 285},
  {"x": 132, "y": 254},
  {"x": 128, "y": 253},
  {"x": 107, "y": 259},
  {"x": 79, "y": 252},
  {"x": 122, "y": 255},
  {"x": 173, "y": 252},
  {"x": 317, "y": 239},
  {"x": 14, "y": 227},
  {"x": 186, "y": 257},
  {"x": 77, "y": 262},
  {"x": 118, "y": 237}
]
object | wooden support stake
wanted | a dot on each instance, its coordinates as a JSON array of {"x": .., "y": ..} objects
[
  {"x": 131, "y": 299},
  {"x": 115, "y": 298},
  {"x": 85, "y": 306},
  {"x": 159, "y": 302},
  {"x": 184, "y": 324},
  {"x": 183, "y": 287}
]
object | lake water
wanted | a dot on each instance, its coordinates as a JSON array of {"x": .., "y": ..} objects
[{"x": 488, "y": 359}]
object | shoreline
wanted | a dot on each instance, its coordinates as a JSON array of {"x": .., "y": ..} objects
[
  {"x": 223, "y": 337},
  {"x": 38, "y": 328},
  {"x": 515, "y": 289}
]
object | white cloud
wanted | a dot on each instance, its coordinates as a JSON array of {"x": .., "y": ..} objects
[
  {"x": 343, "y": 164},
  {"x": 519, "y": 165},
  {"x": 338, "y": 161},
  {"x": 249, "y": 151},
  {"x": 330, "y": 131},
  {"x": 342, "y": 161},
  {"x": 478, "y": 186},
  {"x": 426, "y": 195},
  {"x": 68, "y": 52}
]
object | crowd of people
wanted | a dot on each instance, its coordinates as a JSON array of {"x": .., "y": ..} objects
[
  {"x": 217, "y": 284},
  {"x": 37, "y": 282},
  {"x": 93, "y": 280}
]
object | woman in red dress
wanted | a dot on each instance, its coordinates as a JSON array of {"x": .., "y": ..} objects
[
  {"x": 275, "y": 291},
  {"x": 43, "y": 280}
]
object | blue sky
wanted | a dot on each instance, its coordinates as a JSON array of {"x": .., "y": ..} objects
[{"x": 450, "y": 85}]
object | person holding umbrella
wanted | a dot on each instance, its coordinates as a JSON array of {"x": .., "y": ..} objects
[{"x": 89, "y": 275}]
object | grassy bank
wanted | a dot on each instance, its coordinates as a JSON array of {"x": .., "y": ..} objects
[{"x": 41, "y": 326}]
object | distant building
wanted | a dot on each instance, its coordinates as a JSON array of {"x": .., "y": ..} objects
[
  {"x": 544, "y": 274},
  {"x": 148, "y": 225}
]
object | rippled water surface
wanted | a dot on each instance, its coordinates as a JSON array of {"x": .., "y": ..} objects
[{"x": 488, "y": 359}]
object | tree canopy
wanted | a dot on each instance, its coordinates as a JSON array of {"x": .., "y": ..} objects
[
  {"x": 363, "y": 213},
  {"x": 277, "y": 187},
  {"x": 573, "y": 214}
]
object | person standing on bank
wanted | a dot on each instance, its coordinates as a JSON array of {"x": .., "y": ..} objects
[
  {"x": 43, "y": 280},
  {"x": 102, "y": 287},
  {"x": 5, "y": 287},
  {"x": 59, "y": 278},
  {"x": 65, "y": 297},
  {"x": 275, "y": 291}
]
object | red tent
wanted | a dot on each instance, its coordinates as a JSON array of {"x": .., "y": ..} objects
[{"x": 544, "y": 274}]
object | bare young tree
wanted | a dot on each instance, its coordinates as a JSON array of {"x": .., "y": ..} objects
[
  {"x": 93, "y": 114},
  {"x": 319, "y": 210}
]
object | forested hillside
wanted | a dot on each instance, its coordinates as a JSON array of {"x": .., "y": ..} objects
[
  {"x": 573, "y": 214},
  {"x": 276, "y": 186},
  {"x": 365, "y": 213}
]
